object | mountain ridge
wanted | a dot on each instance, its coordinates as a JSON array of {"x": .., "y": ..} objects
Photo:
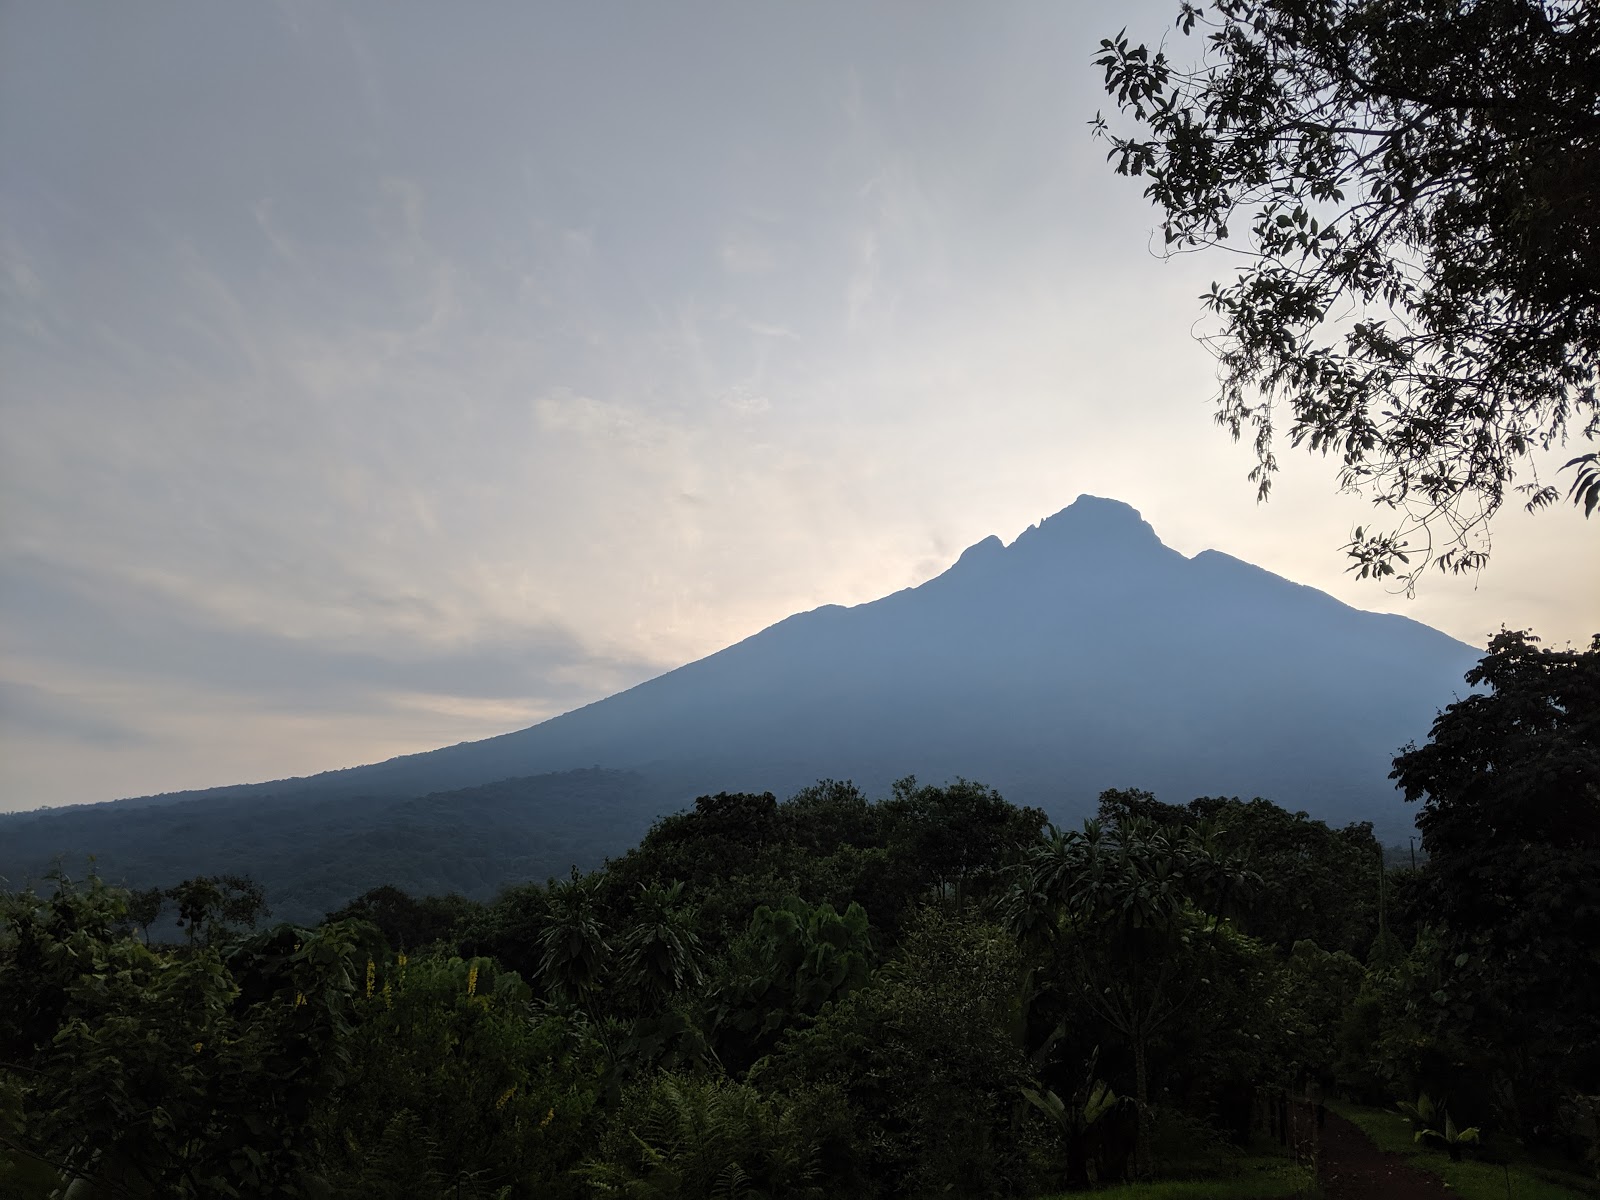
[
  {"x": 994, "y": 610},
  {"x": 1086, "y": 654}
]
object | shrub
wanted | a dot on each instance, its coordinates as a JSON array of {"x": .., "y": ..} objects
[{"x": 680, "y": 1138}]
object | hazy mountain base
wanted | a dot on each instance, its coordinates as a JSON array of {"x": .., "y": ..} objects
[{"x": 312, "y": 854}]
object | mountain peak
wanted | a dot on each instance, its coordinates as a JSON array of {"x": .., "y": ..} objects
[
  {"x": 1086, "y": 655},
  {"x": 981, "y": 551},
  {"x": 1092, "y": 523}
]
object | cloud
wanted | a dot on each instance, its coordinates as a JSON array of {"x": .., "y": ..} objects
[
  {"x": 38, "y": 712},
  {"x": 373, "y": 384},
  {"x": 743, "y": 253},
  {"x": 765, "y": 329},
  {"x": 599, "y": 421},
  {"x": 128, "y": 629},
  {"x": 863, "y": 286},
  {"x": 745, "y": 401}
]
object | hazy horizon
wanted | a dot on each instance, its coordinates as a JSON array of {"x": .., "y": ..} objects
[{"x": 383, "y": 378}]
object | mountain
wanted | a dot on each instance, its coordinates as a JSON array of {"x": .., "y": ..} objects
[
  {"x": 312, "y": 856},
  {"x": 1084, "y": 655}
]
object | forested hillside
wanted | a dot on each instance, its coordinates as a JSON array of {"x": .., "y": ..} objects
[
  {"x": 938, "y": 993},
  {"x": 310, "y": 854},
  {"x": 1086, "y": 655}
]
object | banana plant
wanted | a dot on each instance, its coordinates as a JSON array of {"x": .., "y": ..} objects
[
  {"x": 1092, "y": 1100},
  {"x": 1433, "y": 1125}
]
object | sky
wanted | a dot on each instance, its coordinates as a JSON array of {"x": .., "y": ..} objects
[{"x": 376, "y": 377}]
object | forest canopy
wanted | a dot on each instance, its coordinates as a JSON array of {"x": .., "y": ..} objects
[{"x": 937, "y": 992}]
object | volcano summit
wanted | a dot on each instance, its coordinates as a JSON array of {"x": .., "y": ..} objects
[{"x": 1084, "y": 655}]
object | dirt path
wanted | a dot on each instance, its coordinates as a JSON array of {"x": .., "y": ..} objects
[{"x": 1354, "y": 1169}]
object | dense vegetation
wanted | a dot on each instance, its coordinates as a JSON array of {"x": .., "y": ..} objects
[
  {"x": 934, "y": 993},
  {"x": 1410, "y": 189},
  {"x": 1084, "y": 655},
  {"x": 311, "y": 851}
]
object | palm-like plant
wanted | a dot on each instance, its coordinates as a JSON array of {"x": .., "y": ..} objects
[
  {"x": 1433, "y": 1124},
  {"x": 574, "y": 945},
  {"x": 1119, "y": 907},
  {"x": 1074, "y": 1117},
  {"x": 1135, "y": 872},
  {"x": 660, "y": 953}
]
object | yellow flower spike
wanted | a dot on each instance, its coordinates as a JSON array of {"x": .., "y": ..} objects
[
  {"x": 299, "y": 999},
  {"x": 505, "y": 1096},
  {"x": 472, "y": 980},
  {"x": 400, "y": 959},
  {"x": 199, "y": 1046},
  {"x": 548, "y": 1117},
  {"x": 387, "y": 1001},
  {"x": 372, "y": 976}
]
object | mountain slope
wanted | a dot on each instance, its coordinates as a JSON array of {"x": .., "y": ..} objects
[
  {"x": 1085, "y": 655},
  {"x": 313, "y": 857}
]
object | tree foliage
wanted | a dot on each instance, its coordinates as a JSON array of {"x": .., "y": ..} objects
[
  {"x": 793, "y": 961},
  {"x": 1509, "y": 791},
  {"x": 213, "y": 907},
  {"x": 928, "y": 1059},
  {"x": 753, "y": 1029},
  {"x": 143, "y": 1073},
  {"x": 1307, "y": 880},
  {"x": 1413, "y": 188},
  {"x": 681, "y": 1138},
  {"x": 1124, "y": 912},
  {"x": 456, "y": 1076}
]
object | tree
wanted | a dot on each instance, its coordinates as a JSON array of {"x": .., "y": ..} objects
[
  {"x": 405, "y": 922},
  {"x": 1517, "y": 763},
  {"x": 1312, "y": 881},
  {"x": 728, "y": 852},
  {"x": 213, "y": 907},
  {"x": 659, "y": 953},
  {"x": 678, "y": 1138},
  {"x": 139, "y": 1072},
  {"x": 1075, "y": 1117},
  {"x": 793, "y": 960},
  {"x": 957, "y": 837},
  {"x": 1321, "y": 985},
  {"x": 458, "y": 1085},
  {"x": 1415, "y": 185},
  {"x": 721, "y": 835},
  {"x": 1509, "y": 784},
  {"x": 1123, "y": 912},
  {"x": 144, "y": 909},
  {"x": 828, "y": 816},
  {"x": 928, "y": 1059},
  {"x": 576, "y": 953}
]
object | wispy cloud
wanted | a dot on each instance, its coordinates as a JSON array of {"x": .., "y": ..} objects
[
  {"x": 745, "y": 253},
  {"x": 370, "y": 385},
  {"x": 30, "y": 711}
]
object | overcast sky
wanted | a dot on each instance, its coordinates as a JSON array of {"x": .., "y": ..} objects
[{"x": 377, "y": 377}]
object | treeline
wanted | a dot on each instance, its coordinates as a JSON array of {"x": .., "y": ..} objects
[
  {"x": 310, "y": 853},
  {"x": 935, "y": 993}
]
